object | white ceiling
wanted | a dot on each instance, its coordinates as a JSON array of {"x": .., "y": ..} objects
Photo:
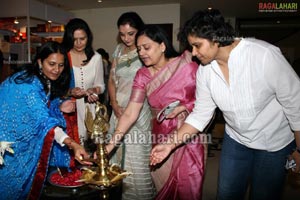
[{"x": 231, "y": 8}]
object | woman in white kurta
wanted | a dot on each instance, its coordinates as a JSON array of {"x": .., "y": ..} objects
[
  {"x": 87, "y": 76},
  {"x": 87, "y": 69}
]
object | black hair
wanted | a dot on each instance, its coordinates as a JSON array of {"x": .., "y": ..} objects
[
  {"x": 131, "y": 18},
  {"x": 158, "y": 34},
  {"x": 103, "y": 53},
  {"x": 208, "y": 24},
  {"x": 59, "y": 87},
  {"x": 68, "y": 39}
]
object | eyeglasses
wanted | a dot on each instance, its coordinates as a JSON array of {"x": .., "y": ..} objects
[{"x": 166, "y": 111}]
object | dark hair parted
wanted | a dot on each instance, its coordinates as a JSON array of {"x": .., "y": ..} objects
[
  {"x": 59, "y": 87},
  {"x": 131, "y": 18},
  {"x": 208, "y": 24},
  {"x": 157, "y": 34},
  {"x": 68, "y": 39}
]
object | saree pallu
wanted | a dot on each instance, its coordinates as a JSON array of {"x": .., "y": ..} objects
[
  {"x": 71, "y": 118},
  {"x": 181, "y": 175},
  {"x": 133, "y": 154},
  {"x": 28, "y": 120}
]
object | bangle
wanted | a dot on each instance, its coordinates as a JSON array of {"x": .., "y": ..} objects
[
  {"x": 118, "y": 131},
  {"x": 113, "y": 102}
]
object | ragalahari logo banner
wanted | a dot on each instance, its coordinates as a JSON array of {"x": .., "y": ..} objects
[{"x": 277, "y": 7}]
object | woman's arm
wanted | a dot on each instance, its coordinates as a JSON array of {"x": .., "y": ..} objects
[
  {"x": 128, "y": 118},
  {"x": 68, "y": 106},
  {"x": 296, "y": 154},
  {"x": 79, "y": 153},
  {"x": 112, "y": 90},
  {"x": 98, "y": 85},
  {"x": 98, "y": 82},
  {"x": 161, "y": 151}
]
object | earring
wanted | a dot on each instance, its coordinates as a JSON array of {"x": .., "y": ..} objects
[{"x": 40, "y": 70}]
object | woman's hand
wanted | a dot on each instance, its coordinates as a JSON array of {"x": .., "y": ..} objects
[
  {"x": 91, "y": 95},
  {"x": 80, "y": 154},
  {"x": 117, "y": 109},
  {"x": 68, "y": 106},
  {"x": 296, "y": 157},
  {"x": 109, "y": 147},
  {"x": 160, "y": 152},
  {"x": 77, "y": 92},
  {"x": 179, "y": 109}
]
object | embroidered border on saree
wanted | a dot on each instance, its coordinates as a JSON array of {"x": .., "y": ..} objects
[{"x": 167, "y": 72}]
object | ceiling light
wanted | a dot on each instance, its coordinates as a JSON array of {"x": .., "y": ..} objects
[
  {"x": 16, "y": 21},
  {"x": 99, "y": 1}
]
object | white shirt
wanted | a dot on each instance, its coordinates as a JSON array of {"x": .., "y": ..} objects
[
  {"x": 87, "y": 76},
  {"x": 261, "y": 103}
]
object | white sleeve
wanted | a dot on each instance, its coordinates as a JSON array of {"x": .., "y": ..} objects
[
  {"x": 60, "y": 136},
  {"x": 99, "y": 76},
  {"x": 204, "y": 107},
  {"x": 282, "y": 78}
]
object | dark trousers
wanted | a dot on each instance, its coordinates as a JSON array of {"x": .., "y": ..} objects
[{"x": 240, "y": 165}]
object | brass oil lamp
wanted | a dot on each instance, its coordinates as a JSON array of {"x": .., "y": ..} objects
[{"x": 103, "y": 176}]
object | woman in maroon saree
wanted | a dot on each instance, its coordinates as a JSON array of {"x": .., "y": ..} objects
[{"x": 168, "y": 77}]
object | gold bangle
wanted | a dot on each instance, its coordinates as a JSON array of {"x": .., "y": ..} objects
[
  {"x": 112, "y": 102},
  {"x": 118, "y": 131}
]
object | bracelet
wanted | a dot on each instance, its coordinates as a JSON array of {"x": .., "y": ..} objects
[
  {"x": 112, "y": 102},
  {"x": 118, "y": 131}
]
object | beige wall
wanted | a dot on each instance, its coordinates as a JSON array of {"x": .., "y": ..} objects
[{"x": 103, "y": 22}]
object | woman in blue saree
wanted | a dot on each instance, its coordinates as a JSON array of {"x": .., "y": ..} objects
[{"x": 32, "y": 119}]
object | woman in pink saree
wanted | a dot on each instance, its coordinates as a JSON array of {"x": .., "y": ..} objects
[{"x": 168, "y": 77}]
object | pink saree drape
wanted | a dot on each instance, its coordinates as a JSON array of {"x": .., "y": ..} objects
[{"x": 181, "y": 175}]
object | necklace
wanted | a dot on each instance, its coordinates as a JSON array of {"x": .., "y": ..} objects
[
  {"x": 130, "y": 55},
  {"x": 128, "y": 62}
]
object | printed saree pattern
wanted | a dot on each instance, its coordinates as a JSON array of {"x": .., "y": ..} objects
[
  {"x": 27, "y": 120},
  {"x": 133, "y": 155}
]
